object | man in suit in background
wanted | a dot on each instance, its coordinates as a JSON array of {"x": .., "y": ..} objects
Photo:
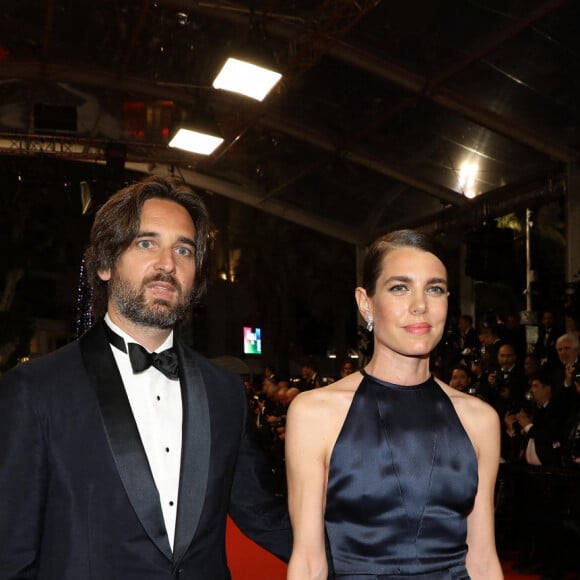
[
  {"x": 548, "y": 333},
  {"x": 568, "y": 349},
  {"x": 309, "y": 375},
  {"x": 468, "y": 337},
  {"x": 546, "y": 432},
  {"x": 123, "y": 452}
]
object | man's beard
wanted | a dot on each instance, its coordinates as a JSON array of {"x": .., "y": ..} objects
[{"x": 131, "y": 302}]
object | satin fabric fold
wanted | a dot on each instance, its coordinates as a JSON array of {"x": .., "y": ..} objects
[{"x": 402, "y": 479}]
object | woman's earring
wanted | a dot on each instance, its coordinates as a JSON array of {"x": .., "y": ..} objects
[{"x": 370, "y": 323}]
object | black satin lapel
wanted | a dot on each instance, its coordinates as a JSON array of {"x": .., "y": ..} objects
[
  {"x": 195, "y": 450},
  {"x": 123, "y": 435}
]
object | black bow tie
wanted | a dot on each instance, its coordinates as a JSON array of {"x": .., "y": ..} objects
[
  {"x": 165, "y": 361},
  {"x": 141, "y": 359}
]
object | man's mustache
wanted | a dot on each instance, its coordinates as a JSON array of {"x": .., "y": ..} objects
[{"x": 160, "y": 277}]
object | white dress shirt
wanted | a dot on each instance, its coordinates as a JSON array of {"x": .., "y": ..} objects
[{"x": 156, "y": 404}]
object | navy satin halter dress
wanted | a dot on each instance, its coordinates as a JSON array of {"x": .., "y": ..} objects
[{"x": 402, "y": 480}]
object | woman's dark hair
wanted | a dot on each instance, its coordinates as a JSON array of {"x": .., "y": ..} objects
[
  {"x": 376, "y": 252},
  {"x": 117, "y": 223}
]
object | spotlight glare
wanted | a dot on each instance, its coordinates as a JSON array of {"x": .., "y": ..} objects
[
  {"x": 195, "y": 141},
  {"x": 246, "y": 78}
]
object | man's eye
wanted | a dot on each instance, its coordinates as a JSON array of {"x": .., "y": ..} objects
[
  {"x": 183, "y": 251},
  {"x": 144, "y": 244}
]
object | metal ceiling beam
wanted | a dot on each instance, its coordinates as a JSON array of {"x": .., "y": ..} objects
[
  {"x": 31, "y": 70},
  {"x": 489, "y": 45},
  {"x": 328, "y": 24},
  {"x": 420, "y": 87},
  {"x": 47, "y": 35},
  {"x": 253, "y": 198},
  {"x": 323, "y": 142},
  {"x": 474, "y": 55},
  {"x": 95, "y": 151},
  {"x": 137, "y": 30},
  {"x": 465, "y": 107},
  {"x": 285, "y": 27},
  {"x": 414, "y": 83},
  {"x": 455, "y": 102},
  {"x": 492, "y": 204},
  {"x": 34, "y": 70}
]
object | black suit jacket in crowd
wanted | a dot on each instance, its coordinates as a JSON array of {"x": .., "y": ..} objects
[
  {"x": 545, "y": 347},
  {"x": 549, "y": 433},
  {"x": 77, "y": 497},
  {"x": 471, "y": 341}
]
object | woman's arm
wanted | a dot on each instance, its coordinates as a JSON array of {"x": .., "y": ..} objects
[
  {"x": 482, "y": 560},
  {"x": 306, "y": 472}
]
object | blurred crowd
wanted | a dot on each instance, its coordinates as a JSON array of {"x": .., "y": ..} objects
[
  {"x": 269, "y": 402},
  {"x": 530, "y": 374}
]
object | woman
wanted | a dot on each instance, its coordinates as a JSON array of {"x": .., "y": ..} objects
[{"x": 391, "y": 472}]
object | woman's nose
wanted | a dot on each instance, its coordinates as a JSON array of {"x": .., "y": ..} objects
[{"x": 418, "y": 304}]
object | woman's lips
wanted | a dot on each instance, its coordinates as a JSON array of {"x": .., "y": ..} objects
[{"x": 418, "y": 328}]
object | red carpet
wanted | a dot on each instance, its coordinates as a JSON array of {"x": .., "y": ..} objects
[
  {"x": 247, "y": 561},
  {"x": 511, "y": 574}
]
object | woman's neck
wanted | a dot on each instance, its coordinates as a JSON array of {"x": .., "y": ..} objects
[{"x": 399, "y": 369}]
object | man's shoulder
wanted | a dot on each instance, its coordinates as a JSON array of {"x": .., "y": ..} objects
[
  {"x": 54, "y": 373},
  {"x": 65, "y": 355},
  {"x": 207, "y": 365}
]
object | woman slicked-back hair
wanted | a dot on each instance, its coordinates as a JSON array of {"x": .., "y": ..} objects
[
  {"x": 117, "y": 223},
  {"x": 376, "y": 252}
]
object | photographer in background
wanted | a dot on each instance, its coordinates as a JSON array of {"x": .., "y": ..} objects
[
  {"x": 572, "y": 452},
  {"x": 468, "y": 336},
  {"x": 546, "y": 428},
  {"x": 543, "y": 495},
  {"x": 460, "y": 379},
  {"x": 568, "y": 348},
  {"x": 507, "y": 381}
]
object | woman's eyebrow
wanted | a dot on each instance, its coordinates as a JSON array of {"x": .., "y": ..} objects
[
  {"x": 408, "y": 279},
  {"x": 398, "y": 279}
]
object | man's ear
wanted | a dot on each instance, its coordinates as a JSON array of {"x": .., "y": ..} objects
[{"x": 104, "y": 275}]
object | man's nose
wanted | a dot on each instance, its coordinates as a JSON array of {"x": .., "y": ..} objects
[{"x": 166, "y": 261}]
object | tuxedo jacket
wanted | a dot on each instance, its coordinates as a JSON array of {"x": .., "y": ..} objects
[
  {"x": 545, "y": 347},
  {"x": 77, "y": 497},
  {"x": 549, "y": 433},
  {"x": 470, "y": 340}
]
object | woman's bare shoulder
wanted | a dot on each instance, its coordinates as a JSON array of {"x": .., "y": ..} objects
[
  {"x": 464, "y": 400},
  {"x": 478, "y": 418},
  {"x": 327, "y": 401},
  {"x": 315, "y": 418}
]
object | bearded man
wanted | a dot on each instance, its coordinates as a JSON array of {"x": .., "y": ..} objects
[{"x": 123, "y": 452}]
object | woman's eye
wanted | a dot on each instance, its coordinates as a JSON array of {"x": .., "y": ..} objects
[
  {"x": 439, "y": 290},
  {"x": 398, "y": 288}
]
